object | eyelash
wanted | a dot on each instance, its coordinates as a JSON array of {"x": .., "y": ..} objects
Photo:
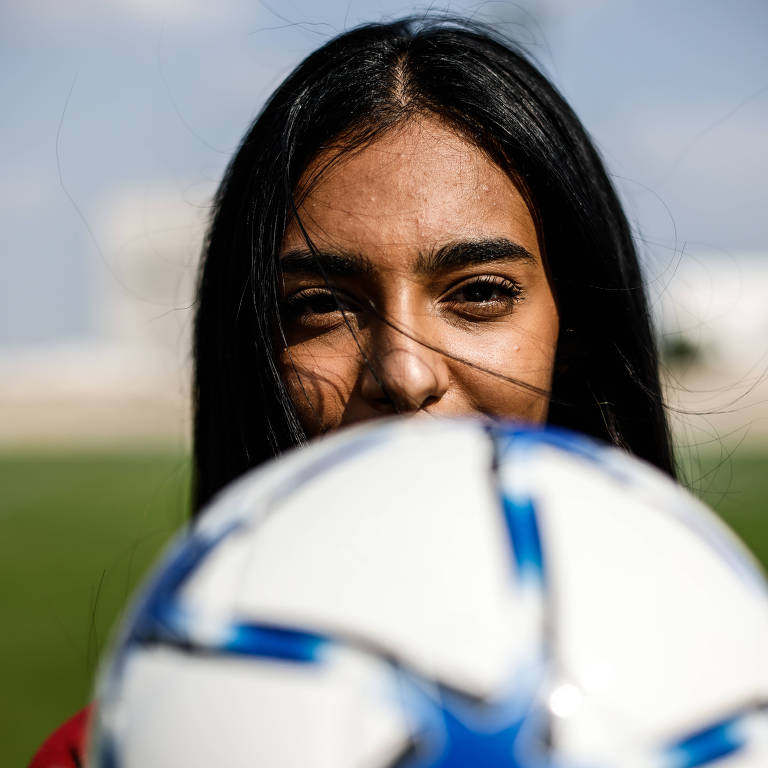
[
  {"x": 298, "y": 307},
  {"x": 511, "y": 292}
]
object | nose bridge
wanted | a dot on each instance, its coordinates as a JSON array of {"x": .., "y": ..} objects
[
  {"x": 400, "y": 331},
  {"x": 404, "y": 371}
]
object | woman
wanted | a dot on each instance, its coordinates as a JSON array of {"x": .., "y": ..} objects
[
  {"x": 416, "y": 223},
  {"x": 346, "y": 160}
]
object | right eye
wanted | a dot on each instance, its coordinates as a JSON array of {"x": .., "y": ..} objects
[{"x": 317, "y": 307}]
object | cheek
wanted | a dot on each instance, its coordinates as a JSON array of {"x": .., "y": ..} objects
[
  {"x": 509, "y": 370},
  {"x": 319, "y": 380}
]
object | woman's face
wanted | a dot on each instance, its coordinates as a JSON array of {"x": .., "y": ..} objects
[{"x": 440, "y": 301}]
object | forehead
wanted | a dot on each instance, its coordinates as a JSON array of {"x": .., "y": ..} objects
[{"x": 409, "y": 192}]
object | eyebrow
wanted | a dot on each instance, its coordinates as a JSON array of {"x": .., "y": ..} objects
[
  {"x": 462, "y": 253},
  {"x": 472, "y": 253},
  {"x": 336, "y": 263}
]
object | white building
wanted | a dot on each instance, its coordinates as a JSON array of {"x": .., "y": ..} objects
[
  {"x": 717, "y": 306},
  {"x": 131, "y": 383}
]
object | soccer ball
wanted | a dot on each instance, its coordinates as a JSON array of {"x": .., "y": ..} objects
[{"x": 417, "y": 593}]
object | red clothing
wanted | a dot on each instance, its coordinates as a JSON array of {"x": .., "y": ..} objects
[{"x": 65, "y": 747}]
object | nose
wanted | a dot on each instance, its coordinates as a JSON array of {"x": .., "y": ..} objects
[{"x": 402, "y": 375}]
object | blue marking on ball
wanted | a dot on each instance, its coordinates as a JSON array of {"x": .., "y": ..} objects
[
  {"x": 706, "y": 745},
  {"x": 275, "y": 642}
]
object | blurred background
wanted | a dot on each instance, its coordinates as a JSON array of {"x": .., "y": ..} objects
[{"x": 119, "y": 118}]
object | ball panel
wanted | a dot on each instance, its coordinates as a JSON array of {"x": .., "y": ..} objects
[
  {"x": 651, "y": 624},
  {"x": 439, "y": 590},
  {"x": 196, "y": 711}
]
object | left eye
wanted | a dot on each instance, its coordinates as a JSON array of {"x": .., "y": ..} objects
[
  {"x": 486, "y": 297},
  {"x": 481, "y": 291},
  {"x": 487, "y": 290}
]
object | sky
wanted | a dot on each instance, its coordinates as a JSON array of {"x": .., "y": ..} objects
[{"x": 120, "y": 117}]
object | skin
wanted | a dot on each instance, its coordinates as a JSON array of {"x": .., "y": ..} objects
[{"x": 440, "y": 301}]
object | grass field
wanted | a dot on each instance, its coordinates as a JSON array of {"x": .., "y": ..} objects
[{"x": 79, "y": 530}]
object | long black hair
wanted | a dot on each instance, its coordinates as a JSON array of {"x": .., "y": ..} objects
[{"x": 353, "y": 89}]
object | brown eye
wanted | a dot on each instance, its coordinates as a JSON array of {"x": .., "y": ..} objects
[
  {"x": 480, "y": 291},
  {"x": 319, "y": 304},
  {"x": 317, "y": 308},
  {"x": 486, "y": 297}
]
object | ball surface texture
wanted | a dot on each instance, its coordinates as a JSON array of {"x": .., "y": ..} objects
[{"x": 415, "y": 594}]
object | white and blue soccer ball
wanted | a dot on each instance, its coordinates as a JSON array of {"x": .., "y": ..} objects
[{"x": 415, "y": 594}]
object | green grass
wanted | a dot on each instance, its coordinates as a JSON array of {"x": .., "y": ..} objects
[
  {"x": 78, "y": 531},
  {"x": 737, "y": 488}
]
